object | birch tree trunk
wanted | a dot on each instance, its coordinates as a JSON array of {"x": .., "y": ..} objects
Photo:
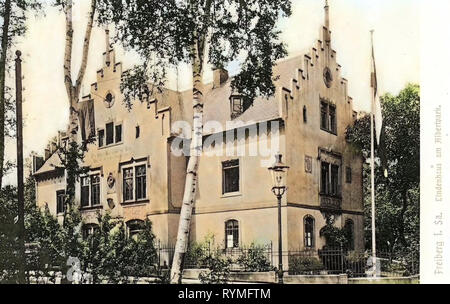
[
  {"x": 3, "y": 57},
  {"x": 73, "y": 89},
  {"x": 191, "y": 172}
]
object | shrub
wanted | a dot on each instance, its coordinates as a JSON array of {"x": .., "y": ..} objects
[
  {"x": 356, "y": 263},
  {"x": 254, "y": 259},
  {"x": 196, "y": 255},
  {"x": 218, "y": 269},
  {"x": 304, "y": 265}
]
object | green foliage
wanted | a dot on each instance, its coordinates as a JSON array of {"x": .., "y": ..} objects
[
  {"x": 108, "y": 255},
  {"x": 165, "y": 33},
  {"x": 196, "y": 255},
  {"x": 397, "y": 196},
  {"x": 355, "y": 263},
  {"x": 334, "y": 237},
  {"x": 206, "y": 254},
  {"x": 72, "y": 155},
  {"x": 299, "y": 264},
  {"x": 254, "y": 259},
  {"x": 8, "y": 233},
  {"x": 13, "y": 17},
  {"x": 218, "y": 269}
]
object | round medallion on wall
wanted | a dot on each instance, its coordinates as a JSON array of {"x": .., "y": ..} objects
[
  {"x": 110, "y": 181},
  {"x": 109, "y": 100},
  {"x": 327, "y": 77}
]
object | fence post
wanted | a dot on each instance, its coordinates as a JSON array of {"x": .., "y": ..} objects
[
  {"x": 209, "y": 253},
  {"x": 342, "y": 259},
  {"x": 159, "y": 257},
  {"x": 271, "y": 254}
]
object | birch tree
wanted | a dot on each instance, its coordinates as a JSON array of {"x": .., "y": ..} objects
[
  {"x": 73, "y": 85},
  {"x": 197, "y": 32},
  {"x": 12, "y": 20}
]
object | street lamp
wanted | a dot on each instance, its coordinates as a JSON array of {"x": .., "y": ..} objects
[{"x": 279, "y": 173}]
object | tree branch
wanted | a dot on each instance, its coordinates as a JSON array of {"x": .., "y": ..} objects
[
  {"x": 68, "y": 50},
  {"x": 87, "y": 40}
]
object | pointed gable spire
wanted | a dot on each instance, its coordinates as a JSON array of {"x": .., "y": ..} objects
[
  {"x": 108, "y": 47},
  {"x": 326, "y": 30}
]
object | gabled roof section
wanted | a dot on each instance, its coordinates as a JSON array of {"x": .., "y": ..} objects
[{"x": 51, "y": 164}]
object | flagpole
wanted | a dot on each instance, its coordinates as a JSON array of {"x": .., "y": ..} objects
[{"x": 372, "y": 174}]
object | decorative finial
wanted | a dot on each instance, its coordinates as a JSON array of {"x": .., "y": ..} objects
[
  {"x": 108, "y": 47},
  {"x": 327, "y": 37},
  {"x": 18, "y": 53}
]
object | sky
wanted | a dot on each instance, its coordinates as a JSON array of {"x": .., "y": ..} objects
[{"x": 396, "y": 38}]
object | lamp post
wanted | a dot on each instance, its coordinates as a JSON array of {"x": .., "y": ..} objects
[{"x": 279, "y": 173}]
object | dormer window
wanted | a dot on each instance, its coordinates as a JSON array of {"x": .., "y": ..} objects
[{"x": 238, "y": 106}]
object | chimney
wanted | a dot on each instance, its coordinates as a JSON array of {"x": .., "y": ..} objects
[
  {"x": 220, "y": 76},
  {"x": 47, "y": 153}
]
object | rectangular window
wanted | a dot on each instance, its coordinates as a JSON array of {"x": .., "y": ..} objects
[
  {"x": 329, "y": 179},
  {"x": 109, "y": 133},
  {"x": 128, "y": 184},
  {"x": 90, "y": 191},
  {"x": 332, "y": 114},
  {"x": 135, "y": 183},
  {"x": 328, "y": 120},
  {"x": 334, "y": 180},
  {"x": 324, "y": 115},
  {"x": 101, "y": 138},
  {"x": 230, "y": 176},
  {"x": 95, "y": 190},
  {"x": 138, "y": 131},
  {"x": 118, "y": 133},
  {"x": 141, "y": 181},
  {"x": 60, "y": 197},
  {"x": 85, "y": 191},
  {"x": 324, "y": 177},
  {"x": 348, "y": 175}
]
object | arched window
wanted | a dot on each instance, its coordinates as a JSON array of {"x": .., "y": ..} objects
[
  {"x": 308, "y": 223},
  {"x": 135, "y": 227},
  {"x": 89, "y": 229},
  {"x": 350, "y": 233},
  {"x": 231, "y": 234}
]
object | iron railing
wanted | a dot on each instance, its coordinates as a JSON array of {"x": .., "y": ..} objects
[{"x": 297, "y": 262}]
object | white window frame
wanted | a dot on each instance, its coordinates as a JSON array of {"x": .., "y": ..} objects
[
  {"x": 90, "y": 205},
  {"x": 134, "y": 165}
]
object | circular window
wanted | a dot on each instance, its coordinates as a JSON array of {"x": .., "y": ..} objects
[
  {"x": 109, "y": 100},
  {"x": 327, "y": 77}
]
